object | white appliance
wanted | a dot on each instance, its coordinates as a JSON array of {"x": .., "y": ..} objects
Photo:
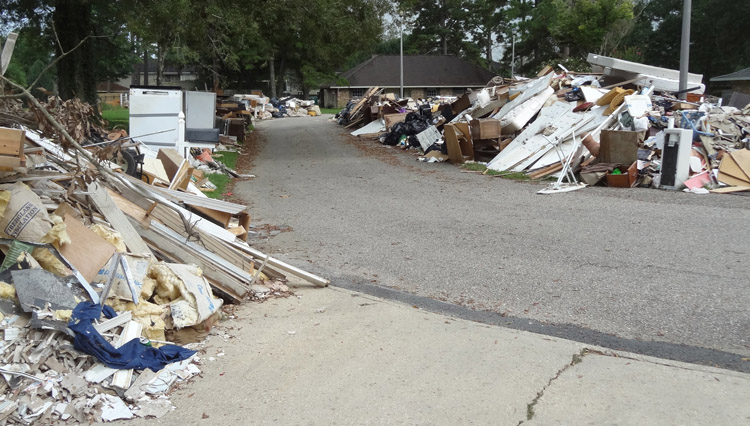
[
  {"x": 200, "y": 110},
  {"x": 675, "y": 158},
  {"x": 154, "y": 116}
]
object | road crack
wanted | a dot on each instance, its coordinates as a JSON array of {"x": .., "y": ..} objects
[{"x": 576, "y": 359}]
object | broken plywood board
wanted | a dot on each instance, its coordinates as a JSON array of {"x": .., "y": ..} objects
[
  {"x": 171, "y": 161},
  {"x": 87, "y": 251},
  {"x": 731, "y": 173},
  {"x": 107, "y": 207},
  {"x": 154, "y": 171},
  {"x": 458, "y": 142},
  {"x": 618, "y": 146}
]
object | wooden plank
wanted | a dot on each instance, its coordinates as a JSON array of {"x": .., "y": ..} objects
[
  {"x": 546, "y": 171},
  {"x": 132, "y": 330},
  {"x": 202, "y": 252},
  {"x": 181, "y": 177},
  {"x": 451, "y": 140},
  {"x": 154, "y": 169},
  {"x": 117, "y": 219},
  {"x": 129, "y": 208},
  {"x": 171, "y": 160},
  {"x": 11, "y": 141},
  {"x": 283, "y": 266},
  {"x": 730, "y": 189},
  {"x": 221, "y": 218},
  {"x": 201, "y": 201},
  {"x": 111, "y": 323},
  {"x": 170, "y": 217}
]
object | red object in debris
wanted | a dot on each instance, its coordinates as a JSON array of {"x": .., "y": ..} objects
[
  {"x": 583, "y": 107},
  {"x": 205, "y": 156}
]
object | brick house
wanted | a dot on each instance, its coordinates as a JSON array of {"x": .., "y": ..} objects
[{"x": 424, "y": 76}]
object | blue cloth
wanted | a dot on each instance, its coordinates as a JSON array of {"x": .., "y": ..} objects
[{"x": 132, "y": 354}]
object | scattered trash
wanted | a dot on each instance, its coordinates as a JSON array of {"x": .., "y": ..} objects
[
  {"x": 111, "y": 270},
  {"x": 620, "y": 125}
]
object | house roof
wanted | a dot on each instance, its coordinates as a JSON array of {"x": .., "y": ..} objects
[
  {"x": 735, "y": 76},
  {"x": 111, "y": 87},
  {"x": 419, "y": 71},
  {"x": 168, "y": 69}
]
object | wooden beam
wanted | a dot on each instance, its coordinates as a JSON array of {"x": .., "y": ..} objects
[{"x": 117, "y": 219}]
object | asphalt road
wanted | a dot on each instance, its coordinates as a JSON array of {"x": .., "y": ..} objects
[{"x": 651, "y": 267}]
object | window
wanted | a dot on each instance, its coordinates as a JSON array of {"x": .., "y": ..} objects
[
  {"x": 431, "y": 92},
  {"x": 357, "y": 93}
]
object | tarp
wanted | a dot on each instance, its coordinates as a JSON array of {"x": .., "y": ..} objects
[{"x": 132, "y": 354}]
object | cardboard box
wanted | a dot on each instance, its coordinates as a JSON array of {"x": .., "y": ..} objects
[
  {"x": 485, "y": 128},
  {"x": 626, "y": 179},
  {"x": 11, "y": 141},
  {"x": 391, "y": 119}
]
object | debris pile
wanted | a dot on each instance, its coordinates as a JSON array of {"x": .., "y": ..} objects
[
  {"x": 108, "y": 281},
  {"x": 621, "y": 125},
  {"x": 264, "y": 108}
]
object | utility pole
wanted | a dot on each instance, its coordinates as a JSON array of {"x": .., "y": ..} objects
[
  {"x": 513, "y": 58},
  {"x": 685, "y": 46},
  {"x": 401, "y": 93}
]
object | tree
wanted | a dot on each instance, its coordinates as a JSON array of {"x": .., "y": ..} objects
[{"x": 79, "y": 32}]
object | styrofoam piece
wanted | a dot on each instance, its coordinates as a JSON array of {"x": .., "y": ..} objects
[{"x": 519, "y": 116}]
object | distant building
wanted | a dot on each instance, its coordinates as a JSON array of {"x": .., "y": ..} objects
[
  {"x": 734, "y": 87},
  {"x": 424, "y": 76},
  {"x": 112, "y": 93},
  {"x": 183, "y": 76}
]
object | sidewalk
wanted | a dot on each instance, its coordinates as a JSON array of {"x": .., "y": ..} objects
[{"x": 331, "y": 356}]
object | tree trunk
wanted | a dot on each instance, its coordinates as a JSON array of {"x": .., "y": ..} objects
[
  {"x": 272, "y": 76},
  {"x": 280, "y": 79},
  {"x": 488, "y": 46},
  {"x": 159, "y": 63},
  {"x": 76, "y": 72},
  {"x": 145, "y": 64},
  {"x": 136, "y": 78},
  {"x": 215, "y": 72}
]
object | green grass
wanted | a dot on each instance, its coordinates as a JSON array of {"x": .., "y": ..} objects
[
  {"x": 229, "y": 158},
  {"x": 474, "y": 167},
  {"x": 510, "y": 175},
  {"x": 117, "y": 117},
  {"x": 221, "y": 181},
  {"x": 333, "y": 111}
]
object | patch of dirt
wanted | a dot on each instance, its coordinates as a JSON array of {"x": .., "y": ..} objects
[{"x": 371, "y": 147}]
